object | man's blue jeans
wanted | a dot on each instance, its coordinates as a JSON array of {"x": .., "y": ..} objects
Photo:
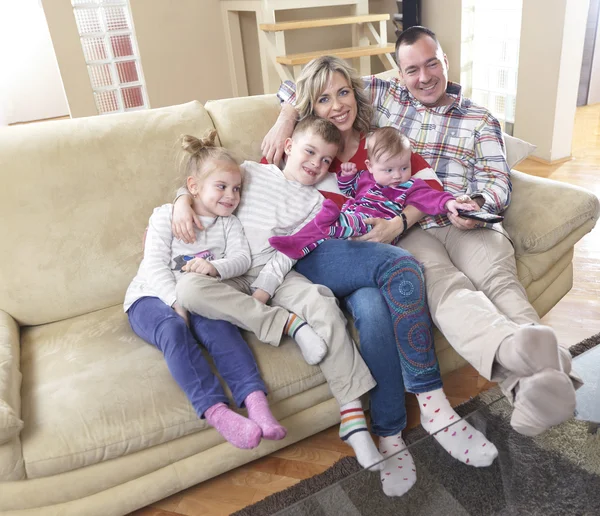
[{"x": 383, "y": 288}]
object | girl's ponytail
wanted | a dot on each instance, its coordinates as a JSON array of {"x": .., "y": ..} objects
[{"x": 201, "y": 150}]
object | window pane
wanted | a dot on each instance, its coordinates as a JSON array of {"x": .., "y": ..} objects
[
  {"x": 121, "y": 46},
  {"x": 127, "y": 71},
  {"x": 106, "y": 101},
  {"x": 100, "y": 75},
  {"x": 80, "y": 2},
  {"x": 132, "y": 97},
  {"x": 116, "y": 18},
  {"x": 87, "y": 20},
  {"x": 94, "y": 49}
]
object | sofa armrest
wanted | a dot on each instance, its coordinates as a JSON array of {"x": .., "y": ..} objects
[
  {"x": 544, "y": 212},
  {"x": 10, "y": 378}
]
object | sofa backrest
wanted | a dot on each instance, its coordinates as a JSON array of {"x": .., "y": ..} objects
[
  {"x": 74, "y": 202},
  {"x": 243, "y": 122}
]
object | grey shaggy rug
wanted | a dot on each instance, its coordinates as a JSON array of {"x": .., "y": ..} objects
[{"x": 555, "y": 474}]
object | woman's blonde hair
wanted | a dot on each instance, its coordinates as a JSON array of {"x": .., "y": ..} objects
[
  {"x": 313, "y": 80},
  {"x": 199, "y": 152}
]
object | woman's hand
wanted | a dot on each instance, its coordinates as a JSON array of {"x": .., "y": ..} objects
[
  {"x": 273, "y": 144},
  {"x": 384, "y": 231},
  {"x": 183, "y": 313},
  {"x": 261, "y": 295},
  {"x": 200, "y": 266},
  {"x": 184, "y": 219}
]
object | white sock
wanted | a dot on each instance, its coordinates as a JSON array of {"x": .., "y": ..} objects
[
  {"x": 460, "y": 440},
  {"x": 530, "y": 350},
  {"x": 353, "y": 430},
  {"x": 311, "y": 345},
  {"x": 399, "y": 473},
  {"x": 542, "y": 400}
]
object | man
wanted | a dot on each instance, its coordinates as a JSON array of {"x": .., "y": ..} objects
[{"x": 473, "y": 290}]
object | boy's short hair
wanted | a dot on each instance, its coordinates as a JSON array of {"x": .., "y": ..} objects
[
  {"x": 321, "y": 127},
  {"x": 387, "y": 140}
]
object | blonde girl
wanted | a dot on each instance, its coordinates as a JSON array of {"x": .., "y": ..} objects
[{"x": 220, "y": 251}]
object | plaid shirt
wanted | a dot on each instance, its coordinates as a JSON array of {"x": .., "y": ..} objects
[{"x": 462, "y": 142}]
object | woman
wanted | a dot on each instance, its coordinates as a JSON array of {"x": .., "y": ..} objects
[{"x": 382, "y": 286}]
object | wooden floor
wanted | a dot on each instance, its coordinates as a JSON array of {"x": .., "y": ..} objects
[{"x": 576, "y": 317}]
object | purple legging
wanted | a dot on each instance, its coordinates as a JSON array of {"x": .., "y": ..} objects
[{"x": 160, "y": 325}]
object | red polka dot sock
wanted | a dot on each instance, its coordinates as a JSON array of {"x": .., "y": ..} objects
[
  {"x": 460, "y": 439},
  {"x": 259, "y": 412},
  {"x": 238, "y": 430},
  {"x": 399, "y": 473}
]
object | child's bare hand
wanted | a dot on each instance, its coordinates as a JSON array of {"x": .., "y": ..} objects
[
  {"x": 200, "y": 266},
  {"x": 184, "y": 220},
  {"x": 261, "y": 295},
  {"x": 348, "y": 169},
  {"x": 452, "y": 205},
  {"x": 182, "y": 312}
]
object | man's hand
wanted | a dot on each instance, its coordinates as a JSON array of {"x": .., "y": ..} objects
[
  {"x": 452, "y": 205},
  {"x": 459, "y": 222},
  {"x": 184, "y": 219},
  {"x": 348, "y": 169},
  {"x": 261, "y": 295},
  {"x": 200, "y": 266},
  {"x": 183, "y": 313},
  {"x": 273, "y": 144},
  {"x": 384, "y": 231}
]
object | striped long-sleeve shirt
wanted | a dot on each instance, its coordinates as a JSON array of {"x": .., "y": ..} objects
[
  {"x": 222, "y": 242},
  {"x": 462, "y": 142},
  {"x": 271, "y": 205}
]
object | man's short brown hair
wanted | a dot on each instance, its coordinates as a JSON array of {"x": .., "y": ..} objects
[{"x": 413, "y": 34}]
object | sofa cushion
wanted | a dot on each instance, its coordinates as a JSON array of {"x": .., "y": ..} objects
[
  {"x": 243, "y": 122},
  {"x": 516, "y": 150},
  {"x": 79, "y": 193},
  {"x": 93, "y": 391},
  {"x": 10, "y": 379},
  {"x": 10, "y": 424}
]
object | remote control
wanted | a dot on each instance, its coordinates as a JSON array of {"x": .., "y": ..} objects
[{"x": 481, "y": 216}]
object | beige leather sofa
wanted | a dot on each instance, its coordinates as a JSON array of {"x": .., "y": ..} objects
[{"x": 91, "y": 422}]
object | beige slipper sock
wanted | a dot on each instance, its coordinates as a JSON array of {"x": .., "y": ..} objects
[
  {"x": 566, "y": 366},
  {"x": 543, "y": 400},
  {"x": 531, "y": 349}
]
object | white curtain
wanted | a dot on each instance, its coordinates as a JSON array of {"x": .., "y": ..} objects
[{"x": 490, "y": 55}]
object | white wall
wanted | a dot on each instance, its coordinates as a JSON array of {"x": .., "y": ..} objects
[
  {"x": 444, "y": 18},
  {"x": 594, "y": 92},
  {"x": 30, "y": 87},
  {"x": 551, "y": 50}
]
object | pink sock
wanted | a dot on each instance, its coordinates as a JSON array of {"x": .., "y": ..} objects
[
  {"x": 329, "y": 214},
  {"x": 258, "y": 411},
  {"x": 238, "y": 430}
]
